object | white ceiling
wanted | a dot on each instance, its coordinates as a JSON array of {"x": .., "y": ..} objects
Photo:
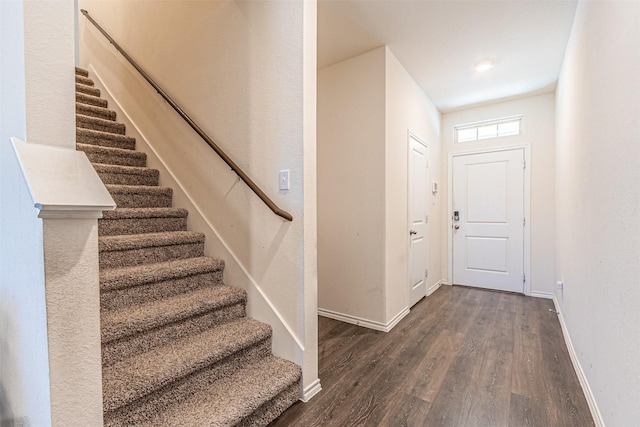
[{"x": 438, "y": 42}]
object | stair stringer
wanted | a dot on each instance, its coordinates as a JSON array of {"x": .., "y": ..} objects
[{"x": 286, "y": 343}]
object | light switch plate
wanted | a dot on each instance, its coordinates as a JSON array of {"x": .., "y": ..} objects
[{"x": 284, "y": 179}]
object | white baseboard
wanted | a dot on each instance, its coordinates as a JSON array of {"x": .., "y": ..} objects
[
  {"x": 588, "y": 393},
  {"x": 371, "y": 324},
  {"x": 545, "y": 295},
  {"x": 311, "y": 390},
  {"x": 436, "y": 286}
]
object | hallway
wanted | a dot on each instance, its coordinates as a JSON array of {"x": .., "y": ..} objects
[{"x": 470, "y": 358}]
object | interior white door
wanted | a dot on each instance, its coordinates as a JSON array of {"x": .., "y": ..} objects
[
  {"x": 488, "y": 234},
  {"x": 418, "y": 202}
]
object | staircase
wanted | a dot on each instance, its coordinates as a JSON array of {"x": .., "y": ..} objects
[{"x": 177, "y": 347}]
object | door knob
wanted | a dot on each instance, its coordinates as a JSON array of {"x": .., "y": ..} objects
[
  {"x": 412, "y": 232},
  {"x": 456, "y": 226}
]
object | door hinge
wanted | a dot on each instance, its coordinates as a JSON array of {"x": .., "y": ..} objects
[
  {"x": 426, "y": 219},
  {"x": 426, "y": 273},
  {"x": 426, "y": 164},
  {"x": 524, "y": 278},
  {"x": 524, "y": 221},
  {"x": 524, "y": 164}
]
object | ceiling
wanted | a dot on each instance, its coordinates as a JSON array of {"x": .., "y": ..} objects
[{"x": 438, "y": 42}]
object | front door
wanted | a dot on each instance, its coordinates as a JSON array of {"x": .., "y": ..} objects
[
  {"x": 488, "y": 220},
  {"x": 418, "y": 198}
]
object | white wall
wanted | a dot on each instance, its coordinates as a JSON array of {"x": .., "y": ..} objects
[
  {"x": 351, "y": 187},
  {"x": 43, "y": 379},
  {"x": 598, "y": 203},
  {"x": 408, "y": 109},
  {"x": 236, "y": 67},
  {"x": 538, "y": 132},
  {"x": 366, "y": 107},
  {"x": 24, "y": 362}
]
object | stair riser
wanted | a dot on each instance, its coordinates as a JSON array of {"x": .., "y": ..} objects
[
  {"x": 123, "y": 348},
  {"x": 273, "y": 408},
  {"x": 100, "y": 124},
  {"x": 91, "y": 111},
  {"x": 91, "y": 100},
  {"x": 121, "y": 159},
  {"x": 149, "y": 179},
  {"x": 126, "y": 258},
  {"x": 89, "y": 90},
  {"x": 150, "y": 200},
  {"x": 120, "y": 298},
  {"x": 84, "y": 80},
  {"x": 144, "y": 409},
  {"x": 114, "y": 227}
]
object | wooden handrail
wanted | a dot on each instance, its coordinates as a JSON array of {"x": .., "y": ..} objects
[{"x": 234, "y": 167}]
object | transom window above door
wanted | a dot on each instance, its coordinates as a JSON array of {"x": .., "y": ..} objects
[{"x": 497, "y": 128}]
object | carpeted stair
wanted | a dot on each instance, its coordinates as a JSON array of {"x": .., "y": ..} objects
[{"x": 177, "y": 347}]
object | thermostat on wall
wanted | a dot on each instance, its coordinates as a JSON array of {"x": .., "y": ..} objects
[{"x": 434, "y": 187}]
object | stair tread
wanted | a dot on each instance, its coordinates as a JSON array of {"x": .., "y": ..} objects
[
  {"x": 231, "y": 399},
  {"x": 88, "y": 122},
  {"x": 145, "y": 373},
  {"x": 111, "y": 150},
  {"x": 142, "y": 213},
  {"x": 137, "y": 241},
  {"x": 100, "y": 133},
  {"x": 84, "y": 98},
  {"x": 84, "y": 80},
  {"x": 137, "y": 189},
  {"x": 128, "y": 321},
  {"x": 119, "y": 278},
  {"x": 127, "y": 170},
  {"x": 82, "y": 72},
  {"x": 95, "y": 111},
  {"x": 89, "y": 90}
]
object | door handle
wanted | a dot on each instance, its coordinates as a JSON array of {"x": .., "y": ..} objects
[
  {"x": 412, "y": 232},
  {"x": 456, "y": 226}
]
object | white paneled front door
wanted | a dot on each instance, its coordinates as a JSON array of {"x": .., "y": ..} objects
[
  {"x": 488, "y": 220},
  {"x": 418, "y": 200}
]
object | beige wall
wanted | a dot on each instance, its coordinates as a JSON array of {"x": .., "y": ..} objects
[
  {"x": 49, "y": 59},
  {"x": 408, "y": 109},
  {"x": 351, "y": 187},
  {"x": 366, "y": 107},
  {"x": 237, "y": 68},
  {"x": 538, "y": 133},
  {"x": 598, "y": 204}
]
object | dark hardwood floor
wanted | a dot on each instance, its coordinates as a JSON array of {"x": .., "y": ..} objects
[{"x": 462, "y": 357}]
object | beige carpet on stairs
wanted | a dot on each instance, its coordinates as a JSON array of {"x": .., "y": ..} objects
[{"x": 177, "y": 346}]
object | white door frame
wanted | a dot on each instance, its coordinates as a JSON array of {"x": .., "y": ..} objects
[
  {"x": 411, "y": 135},
  {"x": 527, "y": 208}
]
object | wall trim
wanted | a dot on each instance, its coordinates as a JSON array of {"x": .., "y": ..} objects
[
  {"x": 371, "y": 324},
  {"x": 545, "y": 295},
  {"x": 128, "y": 120},
  {"x": 435, "y": 287},
  {"x": 588, "y": 393},
  {"x": 311, "y": 390}
]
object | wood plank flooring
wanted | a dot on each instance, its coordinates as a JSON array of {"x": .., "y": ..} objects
[{"x": 462, "y": 357}]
